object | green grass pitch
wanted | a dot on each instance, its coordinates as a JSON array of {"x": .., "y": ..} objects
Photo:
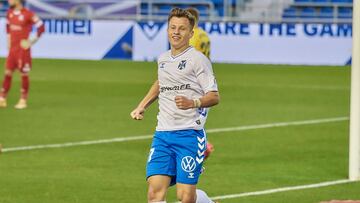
[{"x": 74, "y": 101}]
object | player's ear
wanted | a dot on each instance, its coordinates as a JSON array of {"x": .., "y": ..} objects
[{"x": 191, "y": 33}]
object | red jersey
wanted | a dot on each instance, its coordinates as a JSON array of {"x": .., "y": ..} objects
[{"x": 19, "y": 25}]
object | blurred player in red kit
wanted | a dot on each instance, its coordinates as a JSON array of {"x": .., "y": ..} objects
[{"x": 19, "y": 23}]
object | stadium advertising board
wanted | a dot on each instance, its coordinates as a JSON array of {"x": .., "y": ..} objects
[{"x": 306, "y": 44}]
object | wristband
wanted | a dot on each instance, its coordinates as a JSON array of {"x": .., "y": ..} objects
[{"x": 197, "y": 103}]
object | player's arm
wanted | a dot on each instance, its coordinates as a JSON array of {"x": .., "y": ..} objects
[
  {"x": 8, "y": 41},
  {"x": 150, "y": 97},
  {"x": 8, "y": 31},
  {"x": 39, "y": 24},
  {"x": 208, "y": 100},
  {"x": 206, "y": 79}
]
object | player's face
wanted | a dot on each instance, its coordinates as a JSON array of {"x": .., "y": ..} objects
[{"x": 179, "y": 32}]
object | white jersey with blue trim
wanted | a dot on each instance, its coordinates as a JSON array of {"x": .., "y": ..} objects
[{"x": 188, "y": 74}]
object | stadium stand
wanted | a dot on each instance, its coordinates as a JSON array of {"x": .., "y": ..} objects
[
  {"x": 3, "y": 6},
  {"x": 333, "y": 10},
  {"x": 207, "y": 8},
  {"x": 162, "y": 7},
  {"x": 87, "y": 8},
  {"x": 213, "y": 10},
  {"x": 81, "y": 8}
]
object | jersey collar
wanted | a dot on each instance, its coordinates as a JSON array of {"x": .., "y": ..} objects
[
  {"x": 17, "y": 11},
  {"x": 180, "y": 54}
]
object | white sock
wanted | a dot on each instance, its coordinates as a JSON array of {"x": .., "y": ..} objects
[{"x": 201, "y": 197}]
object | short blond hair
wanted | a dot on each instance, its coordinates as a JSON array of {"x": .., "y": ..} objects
[
  {"x": 182, "y": 13},
  {"x": 194, "y": 12}
]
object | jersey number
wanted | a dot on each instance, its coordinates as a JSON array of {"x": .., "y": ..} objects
[
  {"x": 151, "y": 153},
  {"x": 202, "y": 111}
]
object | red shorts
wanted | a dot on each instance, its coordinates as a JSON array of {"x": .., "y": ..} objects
[{"x": 19, "y": 59}]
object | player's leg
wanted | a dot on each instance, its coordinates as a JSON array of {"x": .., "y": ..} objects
[
  {"x": 25, "y": 85},
  {"x": 209, "y": 149},
  {"x": 160, "y": 168},
  {"x": 202, "y": 197},
  {"x": 22, "y": 103},
  {"x": 6, "y": 85},
  {"x": 158, "y": 185},
  {"x": 189, "y": 146},
  {"x": 25, "y": 67},
  {"x": 186, "y": 193}
]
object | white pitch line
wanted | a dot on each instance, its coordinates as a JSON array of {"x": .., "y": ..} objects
[
  {"x": 281, "y": 124},
  {"x": 283, "y": 189},
  {"x": 71, "y": 144},
  {"x": 144, "y": 137}
]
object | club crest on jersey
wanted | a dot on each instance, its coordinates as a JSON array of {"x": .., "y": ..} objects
[
  {"x": 162, "y": 65},
  {"x": 182, "y": 65}
]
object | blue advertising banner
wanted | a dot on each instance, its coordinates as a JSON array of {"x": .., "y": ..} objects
[{"x": 300, "y": 44}]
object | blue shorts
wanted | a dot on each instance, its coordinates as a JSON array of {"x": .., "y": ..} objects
[{"x": 178, "y": 154}]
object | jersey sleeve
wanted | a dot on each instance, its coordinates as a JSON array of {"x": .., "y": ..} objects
[
  {"x": 39, "y": 24},
  {"x": 7, "y": 23},
  {"x": 205, "y": 75}
]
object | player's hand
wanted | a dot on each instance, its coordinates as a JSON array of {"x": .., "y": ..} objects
[
  {"x": 184, "y": 103},
  {"x": 138, "y": 113},
  {"x": 25, "y": 44}
]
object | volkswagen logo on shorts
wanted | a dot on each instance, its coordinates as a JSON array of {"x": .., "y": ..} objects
[{"x": 188, "y": 164}]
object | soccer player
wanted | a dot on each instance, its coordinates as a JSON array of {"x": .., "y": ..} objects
[
  {"x": 200, "y": 40},
  {"x": 186, "y": 88},
  {"x": 18, "y": 27}
]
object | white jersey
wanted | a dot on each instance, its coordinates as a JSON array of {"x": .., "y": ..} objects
[{"x": 188, "y": 74}]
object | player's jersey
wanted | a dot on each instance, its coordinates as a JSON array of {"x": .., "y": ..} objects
[
  {"x": 188, "y": 74},
  {"x": 19, "y": 25},
  {"x": 201, "y": 41}
]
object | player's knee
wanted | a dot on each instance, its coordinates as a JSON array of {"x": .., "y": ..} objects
[
  {"x": 186, "y": 197},
  {"x": 24, "y": 74},
  {"x": 156, "y": 194},
  {"x": 8, "y": 72}
]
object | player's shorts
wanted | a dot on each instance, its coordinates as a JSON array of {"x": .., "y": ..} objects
[
  {"x": 19, "y": 60},
  {"x": 178, "y": 154}
]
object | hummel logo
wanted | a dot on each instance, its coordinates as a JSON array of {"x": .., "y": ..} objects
[
  {"x": 200, "y": 153},
  {"x": 201, "y": 146},
  {"x": 201, "y": 140},
  {"x": 199, "y": 160}
]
